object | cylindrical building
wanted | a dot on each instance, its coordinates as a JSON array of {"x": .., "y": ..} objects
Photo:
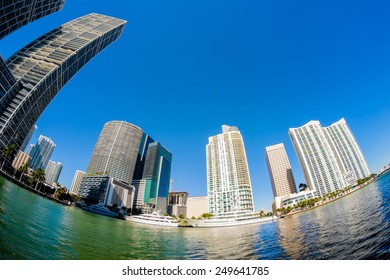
[{"x": 116, "y": 150}]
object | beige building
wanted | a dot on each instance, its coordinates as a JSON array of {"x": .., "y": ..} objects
[
  {"x": 197, "y": 205},
  {"x": 21, "y": 159},
  {"x": 279, "y": 169}
]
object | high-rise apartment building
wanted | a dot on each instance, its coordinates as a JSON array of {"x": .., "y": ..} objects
[
  {"x": 76, "y": 182},
  {"x": 36, "y": 73},
  {"x": 329, "y": 156},
  {"x": 52, "y": 172},
  {"x": 228, "y": 182},
  {"x": 41, "y": 152},
  {"x": 116, "y": 151},
  {"x": 279, "y": 169},
  {"x": 20, "y": 160},
  {"x": 17, "y": 13},
  {"x": 347, "y": 151}
]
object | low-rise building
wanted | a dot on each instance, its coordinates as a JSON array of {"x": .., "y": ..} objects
[
  {"x": 177, "y": 204},
  {"x": 197, "y": 205}
]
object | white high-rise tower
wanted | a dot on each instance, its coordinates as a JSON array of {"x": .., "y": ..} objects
[
  {"x": 228, "y": 182},
  {"x": 318, "y": 161},
  {"x": 347, "y": 150}
]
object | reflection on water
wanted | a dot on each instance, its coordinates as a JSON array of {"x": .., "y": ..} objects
[{"x": 354, "y": 227}]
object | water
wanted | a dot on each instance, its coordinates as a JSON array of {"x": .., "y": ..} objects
[{"x": 354, "y": 227}]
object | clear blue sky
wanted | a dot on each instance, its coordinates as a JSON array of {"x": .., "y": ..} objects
[{"x": 183, "y": 68}]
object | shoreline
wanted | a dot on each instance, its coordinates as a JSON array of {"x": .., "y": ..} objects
[
  {"x": 18, "y": 183},
  {"x": 357, "y": 188}
]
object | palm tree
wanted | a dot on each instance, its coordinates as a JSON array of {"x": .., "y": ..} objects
[
  {"x": 8, "y": 153},
  {"x": 261, "y": 213},
  {"x": 302, "y": 187},
  {"x": 23, "y": 169},
  {"x": 38, "y": 176}
]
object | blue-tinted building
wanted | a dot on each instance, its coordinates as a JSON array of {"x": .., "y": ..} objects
[
  {"x": 157, "y": 174},
  {"x": 41, "y": 152}
]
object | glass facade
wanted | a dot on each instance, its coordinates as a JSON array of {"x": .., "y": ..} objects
[
  {"x": 17, "y": 13},
  {"x": 41, "y": 152},
  {"x": 157, "y": 174},
  {"x": 45, "y": 65}
]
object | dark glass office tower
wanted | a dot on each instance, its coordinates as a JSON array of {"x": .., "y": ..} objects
[
  {"x": 44, "y": 66},
  {"x": 142, "y": 152},
  {"x": 17, "y": 13},
  {"x": 157, "y": 172}
]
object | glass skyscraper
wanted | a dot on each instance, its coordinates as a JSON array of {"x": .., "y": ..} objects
[
  {"x": 228, "y": 182},
  {"x": 41, "y": 152},
  {"x": 17, "y": 13},
  {"x": 36, "y": 73},
  {"x": 52, "y": 172},
  {"x": 157, "y": 175}
]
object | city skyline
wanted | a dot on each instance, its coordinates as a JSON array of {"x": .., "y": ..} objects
[{"x": 173, "y": 62}]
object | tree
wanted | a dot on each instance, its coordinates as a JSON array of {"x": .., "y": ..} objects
[
  {"x": 302, "y": 187},
  {"x": 23, "y": 169},
  {"x": 261, "y": 213},
  {"x": 38, "y": 176},
  {"x": 8, "y": 153},
  {"x": 181, "y": 216}
]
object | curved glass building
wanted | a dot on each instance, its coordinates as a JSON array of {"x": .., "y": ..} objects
[
  {"x": 17, "y": 13},
  {"x": 44, "y": 66}
]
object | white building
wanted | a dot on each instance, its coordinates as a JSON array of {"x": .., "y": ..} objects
[
  {"x": 279, "y": 169},
  {"x": 228, "y": 182},
  {"x": 52, "y": 172},
  {"x": 78, "y": 176},
  {"x": 318, "y": 161},
  {"x": 347, "y": 150}
]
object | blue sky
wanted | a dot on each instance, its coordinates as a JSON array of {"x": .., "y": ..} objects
[{"x": 181, "y": 69}]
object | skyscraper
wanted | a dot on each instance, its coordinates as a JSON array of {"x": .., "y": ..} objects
[
  {"x": 41, "y": 152},
  {"x": 17, "y": 13},
  {"x": 347, "y": 150},
  {"x": 28, "y": 138},
  {"x": 319, "y": 163},
  {"x": 279, "y": 169},
  {"x": 52, "y": 172},
  {"x": 38, "y": 71},
  {"x": 228, "y": 182},
  {"x": 157, "y": 174},
  {"x": 78, "y": 176},
  {"x": 116, "y": 151}
]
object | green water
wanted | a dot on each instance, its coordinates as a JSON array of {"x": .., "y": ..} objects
[{"x": 354, "y": 227}]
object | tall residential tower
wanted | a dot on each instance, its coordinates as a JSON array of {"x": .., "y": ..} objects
[
  {"x": 228, "y": 182},
  {"x": 41, "y": 152},
  {"x": 279, "y": 169}
]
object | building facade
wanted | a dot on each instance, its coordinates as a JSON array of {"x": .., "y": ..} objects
[
  {"x": 52, "y": 172},
  {"x": 116, "y": 151},
  {"x": 279, "y": 169},
  {"x": 157, "y": 175},
  {"x": 107, "y": 191},
  {"x": 18, "y": 13},
  {"x": 228, "y": 182},
  {"x": 20, "y": 160},
  {"x": 28, "y": 138},
  {"x": 197, "y": 205},
  {"x": 43, "y": 67},
  {"x": 76, "y": 182},
  {"x": 345, "y": 147},
  {"x": 177, "y": 204},
  {"x": 41, "y": 152},
  {"x": 317, "y": 159}
]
